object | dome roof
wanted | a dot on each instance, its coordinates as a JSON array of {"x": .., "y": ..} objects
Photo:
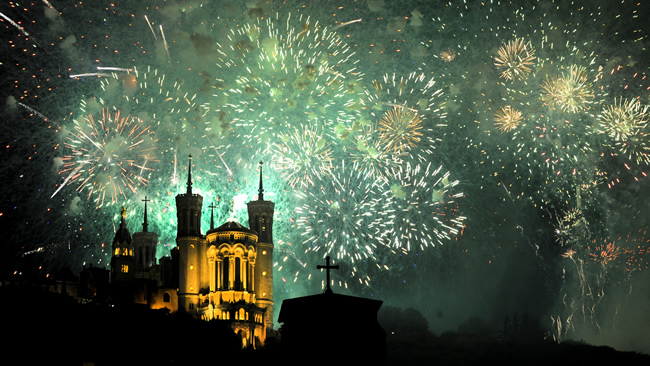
[
  {"x": 232, "y": 225},
  {"x": 122, "y": 235}
]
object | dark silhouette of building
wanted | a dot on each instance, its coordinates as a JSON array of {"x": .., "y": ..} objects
[{"x": 333, "y": 327}]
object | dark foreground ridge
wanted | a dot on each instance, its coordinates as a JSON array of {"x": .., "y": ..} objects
[{"x": 46, "y": 328}]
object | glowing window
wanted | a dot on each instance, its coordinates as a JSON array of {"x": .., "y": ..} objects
[
  {"x": 125, "y": 268},
  {"x": 191, "y": 266},
  {"x": 117, "y": 251}
]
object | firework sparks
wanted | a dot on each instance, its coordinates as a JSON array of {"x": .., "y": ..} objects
[
  {"x": 109, "y": 156},
  {"x": 622, "y": 119},
  {"x": 370, "y": 153},
  {"x": 448, "y": 55},
  {"x": 303, "y": 70},
  {"x": 514, "y": 59},
  {"x": 345, "y": 218},
  {"x": 400, "y": 128},
  {"x": 302, "y": 156},
  {"x": 507, "y": 118},
  {"x": 571, "y": 92},
  {"x": 605, "y": 253},
  {"x": 425, "y": 191}
]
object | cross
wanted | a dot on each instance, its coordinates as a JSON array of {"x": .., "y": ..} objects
[{"x": 327, "y": 267}]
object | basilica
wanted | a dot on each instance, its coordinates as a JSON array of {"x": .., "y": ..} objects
[{"x": 225, "y": 274}]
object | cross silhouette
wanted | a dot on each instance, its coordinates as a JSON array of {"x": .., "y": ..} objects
[{"x": 327, "y": 267}]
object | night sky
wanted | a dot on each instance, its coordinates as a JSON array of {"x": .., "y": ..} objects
[{"x": 463, "y": 158}]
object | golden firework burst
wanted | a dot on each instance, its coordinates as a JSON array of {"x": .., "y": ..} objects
[
  {"x": 448, "y": 55},
  {"x": 623, "y": 119},
  {"x": 514, "y": 59},
  {"x": 400, "y": 128},
  {"x": 507, "y": 118},
  {"x": 571, "y": 91}
]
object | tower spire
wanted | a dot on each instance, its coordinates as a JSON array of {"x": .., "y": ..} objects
[
  {"x": 145, "y": 223},
  {"x": 260, "y": 196},
  {"x": 212, "y": 206},
  {"x": 189, "y": 177}
]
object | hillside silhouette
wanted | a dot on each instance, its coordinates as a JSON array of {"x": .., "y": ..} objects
[{"x": 49, "y": 328}]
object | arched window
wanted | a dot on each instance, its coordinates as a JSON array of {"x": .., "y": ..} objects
[
  {"x": 226, "y": 272},
  {"x": 167, "y": 297},
  {"x": 238, "y": 284}
]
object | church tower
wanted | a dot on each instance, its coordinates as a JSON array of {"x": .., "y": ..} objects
[
  {"x": 190, "y": 245},
  {"x": 122, "y": 260},
  {"x": 260, "y": 220},
  {"x": 144, "y": 245}
]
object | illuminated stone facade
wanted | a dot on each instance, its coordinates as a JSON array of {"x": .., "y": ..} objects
[{"x": 226, "y": 274}]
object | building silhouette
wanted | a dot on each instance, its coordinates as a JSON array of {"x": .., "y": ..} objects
[
  {"x": 225, "y": 274},
  {"x": 335, "y": 326}
]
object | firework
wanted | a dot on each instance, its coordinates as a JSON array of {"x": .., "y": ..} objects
[
  {"x": 409, "y": 113},
  {"x": 307, "y": 92},
  {"x": 425, "y": 191},
  {"x": 448, "y": 55},
  {"x": 344, "y": 217},
  {"x": 400, "y": 128},
  {"x": 514, "y": 59},
  {"x": 568, "y": 228},
  {"x": 371, "y": 153},
  {"x": 298, "y": 70},
  {"x": 605, "y": 253},
  {"x": 110, "y": 156},
  {"x": 571, "y": 91},
  {"x": 626, "y": 124},
  {"x": 623, "y": 119},
  {"x": 507, "y": 118},
  {"x": 302, "y": 155}
]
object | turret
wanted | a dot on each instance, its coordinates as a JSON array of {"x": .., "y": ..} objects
[
  {"x": 190, "y": 246},
  {"x": 122, "y": 261},
  {"x": 144, "y": 244},
  {"x": 188, "y": 209},
  {"x": 260, "y": 220}
]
